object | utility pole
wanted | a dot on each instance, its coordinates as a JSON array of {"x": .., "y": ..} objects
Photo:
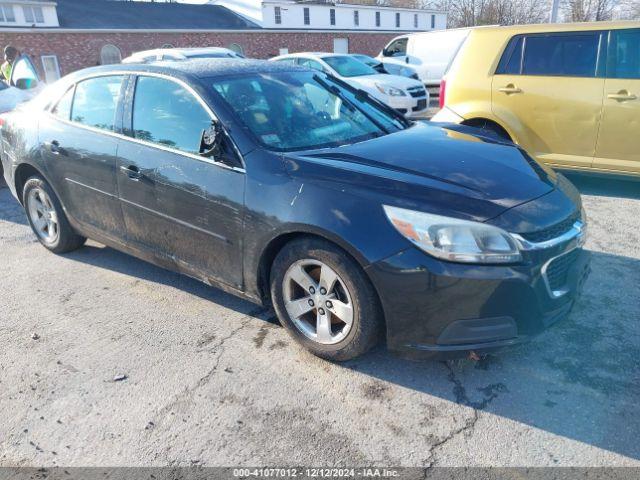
[{"x": 553, "y": 18}]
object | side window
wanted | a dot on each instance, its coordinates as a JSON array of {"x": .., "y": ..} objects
[
  {"x": 96, "y": 101},
  {"x": 624, "y": 54},
  {"x": 309, "y": 63},
  {"x": 511, "y": 59},
  {"x": 63, "y": 107},
  {"x": 167, "y": 114},
  {"x": 573, "y": 55},
  {"x": 397, "y": 48}
]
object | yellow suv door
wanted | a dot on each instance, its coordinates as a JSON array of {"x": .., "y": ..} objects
[
  {"x": 547, "y": 90},
  {"x": 618, "y": 146}
]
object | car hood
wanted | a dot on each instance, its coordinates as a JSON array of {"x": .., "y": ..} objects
[
  {"x": 450, "y": 170},
  {"x": 386, "y": 79}
]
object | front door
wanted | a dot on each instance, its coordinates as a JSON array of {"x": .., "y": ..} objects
[
  {"x": 80, "y": 150},
  {"x": 549, "y": 94},
  {"x": 184, "y": 208},
  {"x": 619, "y": 142}
]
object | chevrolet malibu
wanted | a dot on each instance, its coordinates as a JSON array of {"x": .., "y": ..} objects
[{"x": 289, "y": 187}]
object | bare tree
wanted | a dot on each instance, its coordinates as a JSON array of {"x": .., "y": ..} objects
[
  {"x": 469, "y": 13},
  {"x": 588, "y": 10}
]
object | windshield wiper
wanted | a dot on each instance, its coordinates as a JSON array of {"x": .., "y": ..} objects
[
  {"x": 362, "y": 95},
  {"x": 338, "y": 93}
]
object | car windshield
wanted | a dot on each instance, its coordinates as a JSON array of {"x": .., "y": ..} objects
[
  {"x": 366, "y": 60},
  {"x": 211, "y": 55},
  {"x": 302, "y": 110},
  {"x": 349, "y": 66}
]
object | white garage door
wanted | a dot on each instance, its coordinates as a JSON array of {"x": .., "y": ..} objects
[{"x": 340, "y": 45}]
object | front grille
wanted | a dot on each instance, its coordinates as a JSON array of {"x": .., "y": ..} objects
[
  {"x": 558, "y": 270},
  {"x": 553, "y": 231},
  {"x": 416, "y": 92},
  {"x": 422, "y": 104}
]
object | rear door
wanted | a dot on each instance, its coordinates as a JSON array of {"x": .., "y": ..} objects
[
  {"x": 80, "y": 150},
  {"x": 548, "y": 91},
  {"x": 182, "y": 207},
  {"x": 618, "y": 146}
]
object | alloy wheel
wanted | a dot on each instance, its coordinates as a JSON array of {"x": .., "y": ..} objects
[
  {"x": 43, "y": 215},
  {"x": 318, "y": 301}
]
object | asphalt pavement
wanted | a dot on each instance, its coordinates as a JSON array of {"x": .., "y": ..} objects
[{"x": 107, "y": 360}]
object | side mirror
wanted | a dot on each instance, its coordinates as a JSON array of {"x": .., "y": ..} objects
[
  {"x": 210, "y": 140},
  {"x": 26, "y": 83}
]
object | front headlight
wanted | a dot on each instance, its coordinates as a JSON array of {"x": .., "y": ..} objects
[
  {"x": 453, "y": 239},
  {"x": 389, "y": 90}
]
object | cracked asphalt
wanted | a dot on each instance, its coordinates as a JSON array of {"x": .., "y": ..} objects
[{"x": 213, "y": 380}]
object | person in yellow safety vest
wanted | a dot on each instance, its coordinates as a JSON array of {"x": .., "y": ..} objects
[{"x": 10, "y": 55}]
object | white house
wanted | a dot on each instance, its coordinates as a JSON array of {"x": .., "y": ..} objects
[
  {"x": 328, "y": 15},
  {"x": 28, "y": 13}
]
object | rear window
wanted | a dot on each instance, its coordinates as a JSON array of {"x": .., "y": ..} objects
[{"x": 556, "y": 54}]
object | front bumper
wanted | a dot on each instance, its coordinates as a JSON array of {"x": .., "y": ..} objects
[
  {"x": 441, "y": 309},
  {"x": 410, "y": 106}
]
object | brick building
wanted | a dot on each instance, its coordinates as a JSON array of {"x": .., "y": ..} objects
[{"x": 66, "y": 35}]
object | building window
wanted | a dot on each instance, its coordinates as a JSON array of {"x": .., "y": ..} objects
[
  {"x": 377, "y": 19},
  {"x": 110, "y": 54},
  {"x": 307, "y": 19},
  {"x": 332, "y": 16},
  {"x": 6, "y": 14},
  {"x": 236, "y": 47},
  {"x": 51, "y": 68},
  {"x": 433, "y": 21},
  {"x": 398, "y": 20},
  {"x": 33, "y": 14},
  {"x": 277, "y": 15},
  {"x": 356, "y": 18},
  {"x": 415, "y": 20}
]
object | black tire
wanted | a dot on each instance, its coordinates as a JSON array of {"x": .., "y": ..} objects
[
  {"x": 66, "y": 239},
  {"x": 367, "y": 327}
]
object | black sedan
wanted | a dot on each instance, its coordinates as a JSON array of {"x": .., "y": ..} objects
[{"x": 288, "y": 187}]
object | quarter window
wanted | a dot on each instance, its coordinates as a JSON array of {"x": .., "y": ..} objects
[
  {"x": 167, "y": 114},
  {"x": 63, "y": 107},
  {"x": 511, "y": 59},
  {"x": 573, "y": 55},
  {"x": 307, "y": 19},
  {"x": 95, "y": 102},
  {"x": 624, "y": 57},
  {"x": 277, "y": 12}
]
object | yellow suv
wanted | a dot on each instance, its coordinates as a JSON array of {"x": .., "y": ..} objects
[{"x": 569, "y": 94}]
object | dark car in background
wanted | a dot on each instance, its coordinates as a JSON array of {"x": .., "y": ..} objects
[{"x": 287, "y": 186}]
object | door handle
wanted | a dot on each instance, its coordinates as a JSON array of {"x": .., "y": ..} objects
[
  {"x": 510, "y": 89},
  {"x": 132, "y": 172},
  {"x": 622, "y": 96}
]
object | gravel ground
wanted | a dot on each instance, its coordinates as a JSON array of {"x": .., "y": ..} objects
[{"x": 212, "y": 380}]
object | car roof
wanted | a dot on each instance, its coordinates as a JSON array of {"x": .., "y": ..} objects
[
  {"x": 192, "y": 68},
  {"x": 557, "y": 27}
]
